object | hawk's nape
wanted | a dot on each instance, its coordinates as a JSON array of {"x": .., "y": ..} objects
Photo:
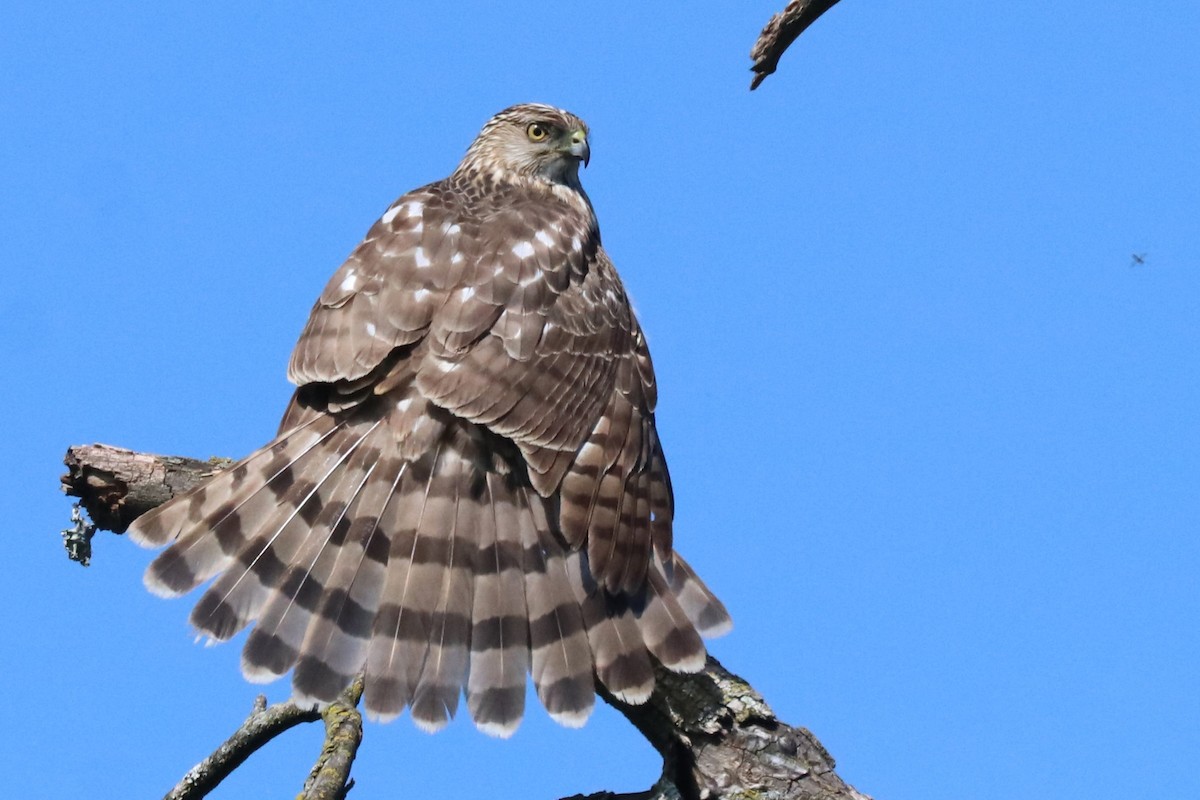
[{"x": 467, "y": 486}]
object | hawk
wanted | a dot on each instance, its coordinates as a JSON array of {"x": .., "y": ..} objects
[{"x": 467, "y": 486}]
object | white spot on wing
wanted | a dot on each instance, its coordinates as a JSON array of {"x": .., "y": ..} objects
[
  {"x": 544, "y": 238},
  {"x": 466, "y": 292},
  {"x": 390, "y": 215},
  {"x": 451, "y": 228},
  {"x": 457, "y": 258},
  {"x": 421, "y": 259},
  {"x": 522, "y": 249},
  {"x": 370, "y": 329},
  {"x": 414, "y": 208},
  {"x": 420, "y": 294},
  {"x": 575, "y": 243},
  {"x": 350, "y": 282}
]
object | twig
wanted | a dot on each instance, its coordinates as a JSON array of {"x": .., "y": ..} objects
[
  {"x": 330, "y": 777},
  {"x": 717, "y": 736},
  {"x": 263, "y": 725},
  {"x": 779, "y": 33}
]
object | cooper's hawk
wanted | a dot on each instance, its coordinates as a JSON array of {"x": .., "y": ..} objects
[{"x": 467, "y": 486}]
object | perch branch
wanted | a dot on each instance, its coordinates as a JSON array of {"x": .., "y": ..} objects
[
  {"x": 263, "y": 725},
  {"x": 718, "y": 738},
  {"x": 779, "y": 33},
  {"x": 330, "y": 777}
]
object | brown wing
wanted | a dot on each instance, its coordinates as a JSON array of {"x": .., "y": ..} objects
[
  {"x": 387, "y": 292},
  {"x": 514, "y": 318}
]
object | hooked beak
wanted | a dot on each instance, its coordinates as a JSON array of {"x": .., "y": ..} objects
[{"x": 579, "y": 147}]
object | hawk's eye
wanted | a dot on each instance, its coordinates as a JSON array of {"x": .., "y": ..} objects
[{"x": 537, "y": 132}]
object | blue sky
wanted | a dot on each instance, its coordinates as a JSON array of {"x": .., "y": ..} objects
[{"x": 933, "y": 434}]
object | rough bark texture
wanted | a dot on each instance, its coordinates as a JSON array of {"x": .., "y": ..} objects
[
  {"x": 330, "y": 777},
  {"x": 779, "y": 33},
  {"x": 116, "y": 486},
  {"x": 717, "y": 736}
]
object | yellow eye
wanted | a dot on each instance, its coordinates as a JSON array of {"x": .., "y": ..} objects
[{"x": 537, "y": 132}]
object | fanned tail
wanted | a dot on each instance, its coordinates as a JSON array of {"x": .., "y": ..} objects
[{"x": 433, "y": 570}]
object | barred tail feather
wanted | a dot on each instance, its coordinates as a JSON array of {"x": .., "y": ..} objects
[
  {"x": 445, "y": 671},
  {"x": 668, "y": 632},
  {"x": 335, "y": 646},
  {"x": 271, "y": 536},
  {"x": 274, "y": 645},
  {"x": 561, "y": 658},
  {"x": 662, "y": 502},
  {"x": 701, "y": 606},
  {"x": 163, "y": 524},
  {"x": 621, "y": 660},
  {"x": 206, "y": 524},
  {"x": 641, "y": 545},
  {"x": 499, "y": 658},
  {"x": 401, "y": 629}
]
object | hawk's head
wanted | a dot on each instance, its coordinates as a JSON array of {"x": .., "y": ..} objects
[{"x": 531, "y": 140}]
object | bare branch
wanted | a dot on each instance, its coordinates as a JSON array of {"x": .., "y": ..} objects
[
  {"x": 117, "y": 486},
  {"x": 717, "y": 736},
  {"x": 330, "y": 777},
  {"x": 779, "y": 33},
  {"x": 263, "y": 725}
]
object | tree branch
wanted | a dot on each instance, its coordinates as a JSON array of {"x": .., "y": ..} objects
[
  {"x": 263, "y": 725},
  {"x": 717, "y": 736},
  {"x": 116, "y": 486},
  {"x": 779, "y": 33},
  {"x": 330, "y": 777}
]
